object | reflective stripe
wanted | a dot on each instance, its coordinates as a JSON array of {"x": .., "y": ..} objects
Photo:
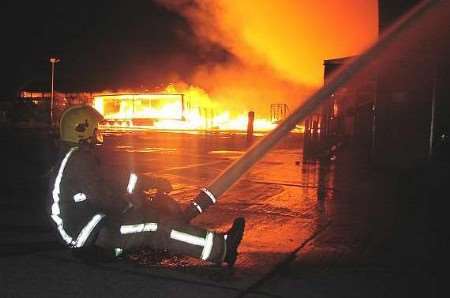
[
  {"x": 118, "y": 251},
  {"x": 209, "y": 194},
  {"x": 191, "y": 239},
  {"x": 132, "y": 183},
  {"x": 139, "y": 228},
  {"x": 56, "y": 211},
  {"x": 64, "y": 235},
  {"x": 79, "y": 197},
  {"x": 198, "y": 207},
  {"x": 86, "y": 231},
  {"x": 57, "y": 220},
  {"x": 206, "y": 242},
  {"x": 55, "y": 194},
  {"x": 208, "y": 246}
]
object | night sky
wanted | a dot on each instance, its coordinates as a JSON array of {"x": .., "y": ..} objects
[{"x": 102, "y": 45}]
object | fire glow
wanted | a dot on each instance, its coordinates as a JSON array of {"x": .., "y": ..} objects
[
  {"x": 191, "y": 109},
  {"x": 274, "y": 56}
]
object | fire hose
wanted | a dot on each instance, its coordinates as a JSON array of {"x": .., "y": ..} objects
[{"x": 209, "y": 194}]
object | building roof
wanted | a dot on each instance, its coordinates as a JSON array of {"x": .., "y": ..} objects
[{"x": 337, "y": 61}]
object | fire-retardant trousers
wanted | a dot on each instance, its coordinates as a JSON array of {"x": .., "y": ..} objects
[{"x": 135, "y": 230}]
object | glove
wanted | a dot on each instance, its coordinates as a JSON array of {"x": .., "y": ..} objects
[
  {"x": 167, "y": 209},
  {"x": 163, "y": 185},
  {"x": 160, "y": 184}
]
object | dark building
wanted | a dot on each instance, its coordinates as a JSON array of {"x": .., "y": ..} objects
[
  {"x": 412, "y": 107},
  {"x": 347, "y": 116},
  {"x": 390, "y": 10},
  {"x": 398, "y": 110}
]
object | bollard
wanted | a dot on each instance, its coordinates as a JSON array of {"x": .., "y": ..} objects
[{"x": 251, "y": 119}]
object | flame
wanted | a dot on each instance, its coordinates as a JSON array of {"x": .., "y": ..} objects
[
  {"x": 188, "y": 108},
  {"x": 135, "y": 106}
]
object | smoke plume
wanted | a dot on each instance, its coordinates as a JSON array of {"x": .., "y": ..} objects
[{"x": 277, "y": 47}]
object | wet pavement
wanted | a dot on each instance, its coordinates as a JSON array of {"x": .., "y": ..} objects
[{"x": 314, "y": 228}]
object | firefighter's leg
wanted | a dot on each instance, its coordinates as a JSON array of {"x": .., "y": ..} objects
[
  {"x": 134, "y": 232},
  {"x": 195, "y": 242}
]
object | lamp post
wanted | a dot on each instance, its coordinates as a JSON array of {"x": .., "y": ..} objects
[{"x": 53, "y": 61}]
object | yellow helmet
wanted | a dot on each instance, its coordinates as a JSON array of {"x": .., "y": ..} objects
[{"x": 79, "y": 123}]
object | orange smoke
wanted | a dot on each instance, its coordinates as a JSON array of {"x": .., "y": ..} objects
[
  {"x": 292, "y": 37},
  {"x": 278, "y": 45}
]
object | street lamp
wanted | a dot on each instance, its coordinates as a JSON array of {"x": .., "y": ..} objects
[{"x": 53, "y": 61}]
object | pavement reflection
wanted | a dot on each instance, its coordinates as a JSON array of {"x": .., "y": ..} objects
[{"x": 282, "y": 199}]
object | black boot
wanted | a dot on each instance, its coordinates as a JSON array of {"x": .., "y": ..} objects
[{"x": 234, "y": 237}]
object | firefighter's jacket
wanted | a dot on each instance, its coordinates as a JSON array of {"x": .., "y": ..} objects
[{"x": 82, "y": 196}]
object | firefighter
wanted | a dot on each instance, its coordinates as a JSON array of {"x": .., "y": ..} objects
[{"x": 99, "y": 210}]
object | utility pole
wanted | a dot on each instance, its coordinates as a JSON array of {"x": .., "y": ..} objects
[{"x": 53, "y": 61}]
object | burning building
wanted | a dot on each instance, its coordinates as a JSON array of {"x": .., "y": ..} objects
[
  {"x": 139, "y": 109},
  {"x": 191, "y": 109},
  {"x": 188, "y": 110}
]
